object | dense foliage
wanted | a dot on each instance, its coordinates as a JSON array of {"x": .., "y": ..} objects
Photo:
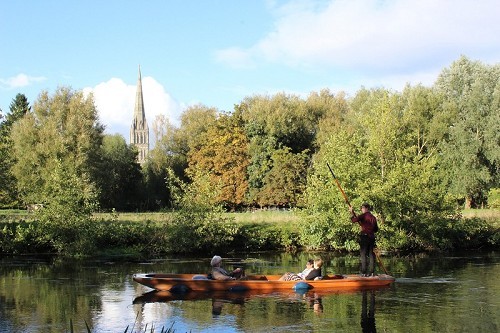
[{"x": 418, "y": 156}]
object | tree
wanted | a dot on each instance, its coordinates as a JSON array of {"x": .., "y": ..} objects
[
  {"x": 330, "y": 110},
  {"x": 272, "y": 123},
  {"x": 384, "y": 153},
  {"x": 8, "y": 194},
  {"x": 223, "y": 154},
  {"x": 61, "y": 133},
  {"x": 286, "y": 181},
  {"x": 194, "y": 121},
  {"x": 121, "y": 177},
  {"x": 471, "y": 148}
]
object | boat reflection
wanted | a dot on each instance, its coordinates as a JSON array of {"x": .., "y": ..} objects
[
  {"x": 227, "y": 296},
  {"x": 219, "y": 298},
  {"x": 313, "y": 298}
]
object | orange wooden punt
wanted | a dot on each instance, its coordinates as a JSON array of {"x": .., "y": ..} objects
[{"x": 197, "y": 282}]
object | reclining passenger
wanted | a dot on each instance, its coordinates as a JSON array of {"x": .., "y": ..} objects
[{"x": 310, "y": 273}]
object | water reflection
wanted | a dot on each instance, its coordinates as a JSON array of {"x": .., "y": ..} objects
[
  {"x": 316, "y": 303},
  {"x": 313, "y": 299},
  {"x": 368, "y": 312},
  {"x": 451, "y": 294}
]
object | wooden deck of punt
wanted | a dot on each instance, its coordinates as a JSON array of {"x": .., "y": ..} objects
[{"x": 198, "y": 282}]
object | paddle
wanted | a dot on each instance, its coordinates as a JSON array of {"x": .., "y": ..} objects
[{"x": 347, "y": 202}]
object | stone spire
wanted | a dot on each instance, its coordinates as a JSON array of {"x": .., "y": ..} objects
[{"x": 139, "y": 131}]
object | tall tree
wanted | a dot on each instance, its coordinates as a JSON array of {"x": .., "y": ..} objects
[
  {"x": 330, "y": 110},
  {"x": 8, "y": 194},
  {"x": 194, "y": 121},
  {"x": 272, "y": 123},
  {"x": 120, "y": 175},
  {"x": 223, "y": 155},
  {"x": 286, "y": 181},
  {"x": 471, "y": 148},
  {"x": 61, "y": 133},
  {"x": 166, "y": 160}
]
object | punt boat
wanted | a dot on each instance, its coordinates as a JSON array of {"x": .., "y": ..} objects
[{"x": 197, "y": 282}]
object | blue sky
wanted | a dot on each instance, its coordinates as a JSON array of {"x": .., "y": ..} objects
[{"x": 217, "y": 52}]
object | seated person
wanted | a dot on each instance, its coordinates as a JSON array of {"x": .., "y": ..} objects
[
  {"x": 219, "y": 273},
  {"x": 307, "y": 274},
  {"x": 308, "y": 269}
]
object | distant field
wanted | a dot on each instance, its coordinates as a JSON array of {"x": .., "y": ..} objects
[
  {"x": 490, "y": 215},
  {"x": 258, "y": 216},
  {"x": 265, "y": 216},
  {"x": 132, "y": 217}
]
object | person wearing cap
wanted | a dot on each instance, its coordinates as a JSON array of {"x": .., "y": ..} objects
[
  {"x": 368, "y": 224},
  {"x": 219, "y": 273}
]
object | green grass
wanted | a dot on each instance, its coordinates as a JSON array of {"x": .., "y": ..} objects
[
  {"x": 265, "y": 216},
  {"x": 259, "y": 216},
  {"x": 132, "y": 217},
  {"x": 491, "y": 216},
  {"x": 15, "y": 215}
]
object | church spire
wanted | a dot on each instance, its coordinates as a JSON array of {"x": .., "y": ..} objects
[
  {"x": 139, "y": 101},
  {"x": 139, "y": 131}
]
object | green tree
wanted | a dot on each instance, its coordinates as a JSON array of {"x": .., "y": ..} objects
[
  {"x": 65, "y": 220},
  {"x": 8, "y": 194},
  {"x": 326, "y": 221},
  {"x": 330, "y": 110},
  {"x": 470, "y": 150},
  {"x": 62, "y": 131},
  {"x": 194, "y": 121},
  {"x": 272, "y": 123},
  {"x": 166, "y": 161},
  {"x": 120, "y": 177},
  {"x": 286, "y": 180},
  {"x": 383, "y": 154}
]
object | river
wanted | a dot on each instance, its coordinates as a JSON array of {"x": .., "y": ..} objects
[{"x": 438, "y": 293}]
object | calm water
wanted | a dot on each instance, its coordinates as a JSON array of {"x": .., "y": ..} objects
[{"x": 455, "y": 293}]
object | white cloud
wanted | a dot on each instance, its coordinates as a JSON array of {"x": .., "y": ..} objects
[
  {"x": 20, "y": 80},
  {"x": 375, "y": 35},
  {"x": 115, "y": 101}
]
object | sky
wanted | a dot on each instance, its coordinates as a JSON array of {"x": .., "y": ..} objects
[{"x": 217, "y": 52}]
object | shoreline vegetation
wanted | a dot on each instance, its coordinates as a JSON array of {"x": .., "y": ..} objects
[
  {"x": 418, "y": 156},
  {"x": 154, "y": 234}
]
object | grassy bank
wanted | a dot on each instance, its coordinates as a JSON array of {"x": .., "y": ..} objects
[
  {"x": 258, "y": 216},
  {"x": 492, "y": 216},
  {"x": 155, "y": 234}
]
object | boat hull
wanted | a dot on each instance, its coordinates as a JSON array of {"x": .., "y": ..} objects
[{"x": 197, "y": 282}]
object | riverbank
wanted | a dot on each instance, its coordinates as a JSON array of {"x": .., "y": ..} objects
[
  {"x": 156, "y": 234},
  {"x": 257, "y": 216}
]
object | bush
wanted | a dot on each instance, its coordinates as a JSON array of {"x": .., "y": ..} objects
[
  {"x": 23, "y": 237},
  {"x": 494, "y": 198}
]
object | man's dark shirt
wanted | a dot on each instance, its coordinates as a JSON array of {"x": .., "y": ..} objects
[{"x": 367, "y": 222}]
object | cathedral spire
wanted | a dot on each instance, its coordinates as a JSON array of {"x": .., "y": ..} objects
[
  {"x": 139, "y": 131},
  {"x": 139, "y": 101}
]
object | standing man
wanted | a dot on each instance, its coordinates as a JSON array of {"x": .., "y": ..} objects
[{"x": 368, "y": 224}]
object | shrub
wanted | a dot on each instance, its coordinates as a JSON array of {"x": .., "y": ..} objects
[{"x": 494, "y": 198}]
